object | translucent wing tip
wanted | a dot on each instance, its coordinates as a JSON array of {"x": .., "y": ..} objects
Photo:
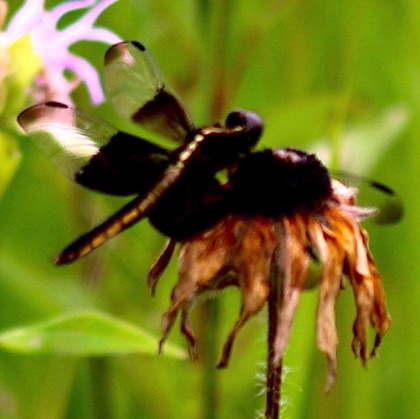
[
  {"x": 389, "y": 205},
  {"x": 391, "y": 213},
  {"x": 39, "y": 112},
  {"x": 120, "y": 49}
]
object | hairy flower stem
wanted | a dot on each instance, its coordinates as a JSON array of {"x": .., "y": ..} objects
[{"x": 273, "y": 383}]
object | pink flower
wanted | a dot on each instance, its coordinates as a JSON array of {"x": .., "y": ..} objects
[{"x": 53, "y": 44}]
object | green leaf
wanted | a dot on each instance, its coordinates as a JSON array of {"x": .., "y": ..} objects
[
  {"x": 84, "y": 333},
  {"x": 24, "y": 65},
  {"x": 9, "y": 159},
  {"x": 377, "y": 135},
  {"x": 18, "y": 69},
  {"x": 299, "y": 122}
]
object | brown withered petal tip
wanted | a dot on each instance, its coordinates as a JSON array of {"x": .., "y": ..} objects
[{"x": 239, "y": 251}]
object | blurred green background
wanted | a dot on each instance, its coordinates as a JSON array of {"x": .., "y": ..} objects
[{"x": 338, "y": 77}]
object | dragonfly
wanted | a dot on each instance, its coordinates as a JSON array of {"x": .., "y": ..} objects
[{"x": 212, "y": 171}]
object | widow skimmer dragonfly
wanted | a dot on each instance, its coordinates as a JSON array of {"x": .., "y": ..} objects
[{"x": 179, "y": 191}]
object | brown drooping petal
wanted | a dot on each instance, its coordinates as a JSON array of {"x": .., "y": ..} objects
[
  {"x": 331, "y": 256},
  {"x": 348, "y": 253},
  {"x": 160, "y": 265},
  {"x": 237, "y": 251},
  {"x": 370, "y": 300}
]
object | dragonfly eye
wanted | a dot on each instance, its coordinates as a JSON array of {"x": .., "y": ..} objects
[{"x": 249, "y": 122}]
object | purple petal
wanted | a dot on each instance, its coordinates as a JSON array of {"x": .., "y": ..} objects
[
  {"x": 26, "y": 18},
  {"x": 60, "y": 10},
  {"x": 86, "y": 72},
  {"x": 102, "y": 35},
  {"x": 53, "y": 44},
  {"x": 90, "y": 17}
]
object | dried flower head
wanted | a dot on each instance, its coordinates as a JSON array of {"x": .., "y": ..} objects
[{"x": 241, "y": 251}]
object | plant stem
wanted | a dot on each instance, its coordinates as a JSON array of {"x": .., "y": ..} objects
[
  {"x": 273, "y": 383},
  {"x": 216, "y": 20},
  {"x": 219, "y": 17},
  {"x": 210, "y": 394},
  {"x": 101, "y": 387}
]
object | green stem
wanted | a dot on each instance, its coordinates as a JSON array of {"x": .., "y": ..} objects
[
  {"x": 219, "y": 16},
  {"x": 351, "y": 40},
  {"x": 216, "y": 21},
  {"x": 100, "y": 387},
  {"x": 210, "y": 395}
]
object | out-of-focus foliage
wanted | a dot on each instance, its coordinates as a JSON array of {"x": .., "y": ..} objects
[
  {"x": 338, "y": 77},
  {"x": 18, "y": 68}
]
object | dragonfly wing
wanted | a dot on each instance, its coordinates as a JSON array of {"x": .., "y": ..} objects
[{"x": 135, "y": 86}]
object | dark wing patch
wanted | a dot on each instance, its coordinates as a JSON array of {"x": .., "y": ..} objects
[
  {"x": 124, "y": 166},
  {"x": 92, "y": 152},
  {"x": 135, "y": 86}
]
